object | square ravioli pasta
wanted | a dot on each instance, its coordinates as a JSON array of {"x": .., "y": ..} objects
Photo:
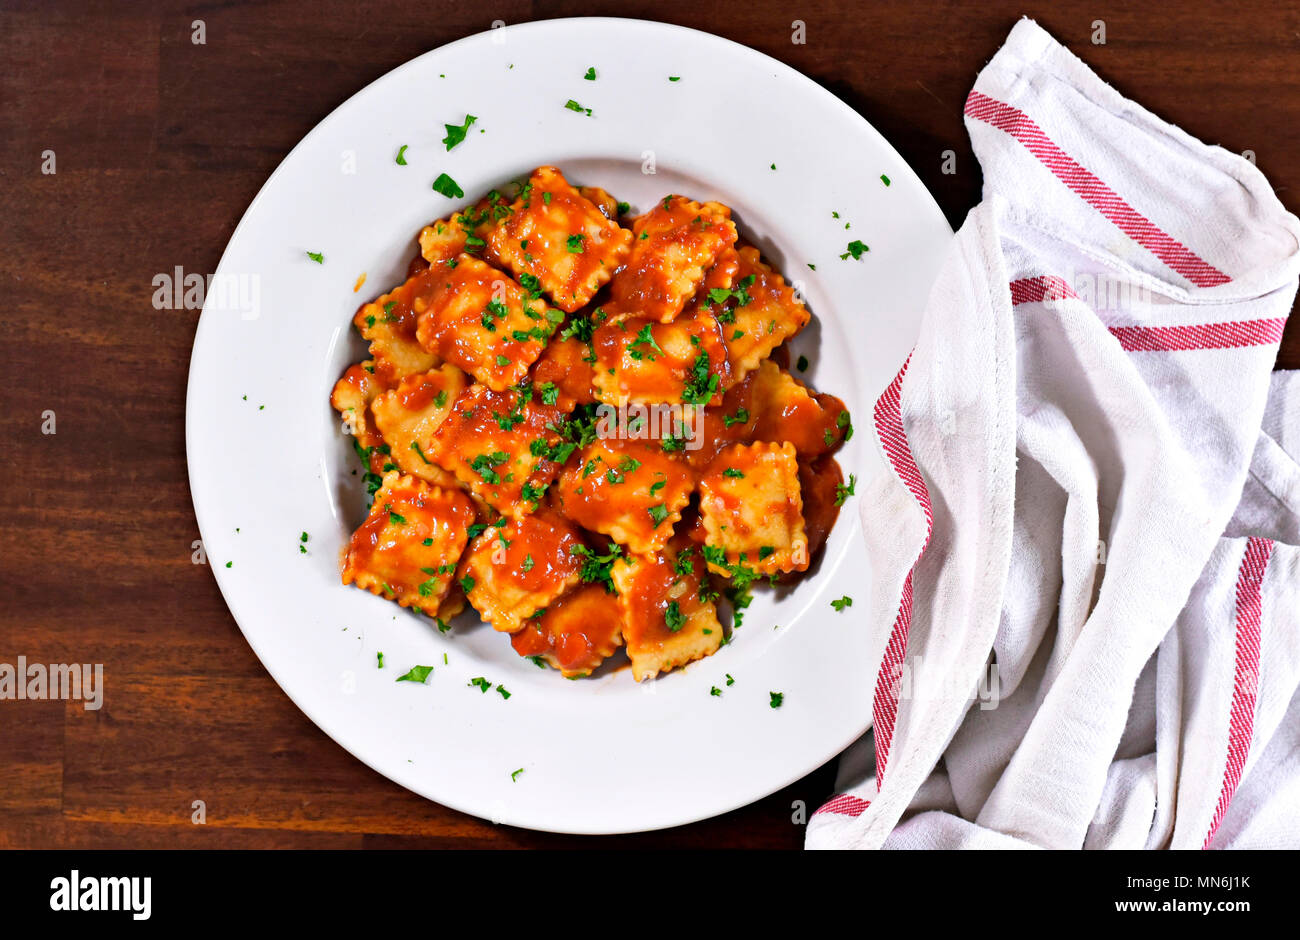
[
  {"x": 410, "y": 543},
  {"x": 669, "y": 615},
  {"x": 558, "y": 237},
  {"x": 464, "y": 231},
  {"x": 757, "y": 314},
  {"x": 629, "y": 490},
  {"x": 645, "y": 361},
  {"x": 479, "y": 319},
  {"x": 407, "y": 415},
  {"x": 506, "y": 447},
  {"x": 752, "y": 511},
  {"x": 517, "y": 567},
  {"x": 389, "y": 325},
  {"x": 673, "y": 246},
  {"x": 576, "y": 633}
]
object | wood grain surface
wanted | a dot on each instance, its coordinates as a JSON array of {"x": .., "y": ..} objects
[{"x": 160, "y": 145}]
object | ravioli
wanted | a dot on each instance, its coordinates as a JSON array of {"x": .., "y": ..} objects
[
  {"x": 352, "y": 397},
  {"x": 560, "y": 239},
  {"x": 645, "y": 361},
  {"x": 504, "y": 446},
  {"x": 629, "y": 490},
  {"x": 479, "y": 319},
  {"x": 409, "y": 545},
  {"x": 408, "y": 415},
  {"x": 389, "y": 325},
  {"x": 785, "y": 410},
  {"x": 465, "y": 231},
  {"x": 515, "y": 569},
  {"x": 669, "y": 616},
  {"x": 576, "y": 633},
  {"x": 752, "y": 510},
  {"x": 674, "y": 245},
  {"x": 614, "y": 393},
  {"x": 567, "y": 364},
  {"x": 758, "y": 314}
]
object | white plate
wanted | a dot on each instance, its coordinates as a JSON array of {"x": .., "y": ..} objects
[{"x": 267, "y": 459}]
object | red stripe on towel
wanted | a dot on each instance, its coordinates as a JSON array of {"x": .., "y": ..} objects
[
  {"x": 1093, "y": 191},
  {"x": 1241, "y": 717},
  {"x": 844, "y": 804},
  {"x": 1232, "y": 335},
  {"x": 1235, "y": 334},
  {"x": 889, "y": 429}
]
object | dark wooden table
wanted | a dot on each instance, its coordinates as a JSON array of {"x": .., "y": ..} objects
[{"x": 160, "y": 145}]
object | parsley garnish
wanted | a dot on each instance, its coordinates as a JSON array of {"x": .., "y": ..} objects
[
  {"x": 417, "y": 674},
  {"x": 456, "y": 133},
  {"x": 674, "y": 617},
  {"x": 658, "y": 514},
  {"x": 702, "y": 385},
  {"x": 843, "y": 602},
  {"x": 591, "y": 75},
  {"x": 596, "y": 568},
  {"x": 574, "y": 244},
  {"x": 316, "y": 256},
  {"x": 777, "y": 699},
  {"x": 843, "y": 492},
  {"x": 447, "y": 186},
  {"x": 574, "y": 106},
  {"x": 401, "y": 155},
  {"x": 856, "y": 249}
]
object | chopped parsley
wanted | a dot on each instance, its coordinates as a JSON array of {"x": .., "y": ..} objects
[
  {"x": 380, "y": 657},
  {"x": 574, "y": 106},
  {"x": 843, "y": 491},
  {"x": 658, "y": 514},
  {"x": 456, "y": 132},
  {"x": 514, "y": 777},
  {"x": 483, "y": 465},
  {"x": 644, "y": 338},
  {"x": 856, "y": 249},
  {"x": 843, "y": 602},
  {"x": 674, "y": 78},
  {"x": 316, "y": 256},
  {"x": 674, "y": 617},
  {"x": 702, "y": 385},
  {"x": 591, "y": 74},
  {"x": 483, "y": 684},
  {"x": 401, "y": 155},
  {"x": 884, "y": 179},
  {"x": 740, "y": 417},
  {"x": 778, "y": 698},
  {"x": 467, "y": 584},
  {"x": 596, "y": 569},
  {"x": 574, "y": 244},
  {"x": 733, "y": 473},
  {"x": 448, "y": 187},
  {"x": 417, "y": 674}
]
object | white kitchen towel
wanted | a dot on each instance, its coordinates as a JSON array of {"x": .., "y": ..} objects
[{"x": 1085, "y": 563}]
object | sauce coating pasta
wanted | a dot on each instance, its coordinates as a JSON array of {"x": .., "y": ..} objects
[{"x": 582, "y": 423}]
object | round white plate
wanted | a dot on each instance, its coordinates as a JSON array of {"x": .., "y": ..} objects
[{"x": 268, "y": 461}]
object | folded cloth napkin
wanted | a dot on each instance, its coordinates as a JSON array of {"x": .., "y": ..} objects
[{"x": 1085, "y": 559}]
